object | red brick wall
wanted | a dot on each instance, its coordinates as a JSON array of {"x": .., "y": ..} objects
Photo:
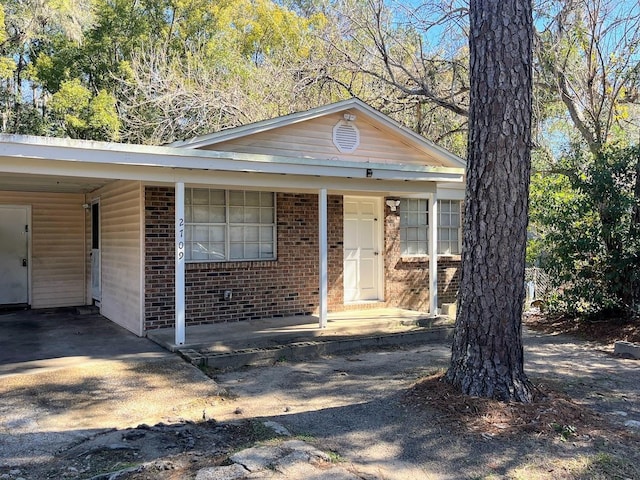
[
  {"x": 407, "y": 279},
  {"x": 286, "y": 286}
]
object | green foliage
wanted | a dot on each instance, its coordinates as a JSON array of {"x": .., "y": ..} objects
[
  {"x": 585, "y": 214},
  {"x": 77, "y": 113}
]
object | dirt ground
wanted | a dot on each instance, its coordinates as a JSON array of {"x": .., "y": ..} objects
[{"x": 382, "y": 415}]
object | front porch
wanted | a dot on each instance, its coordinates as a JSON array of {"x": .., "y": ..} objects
[{"x": 236, "y": 344}]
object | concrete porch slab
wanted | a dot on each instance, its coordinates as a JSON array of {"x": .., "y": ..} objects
[{"x": 232, "y": 345}]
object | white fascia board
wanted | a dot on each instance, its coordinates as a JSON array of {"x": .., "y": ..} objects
[
  {"x": 249, "y": 180},
  {"x": 451, "y": 191},
  {"x": 116, "y": 154}
]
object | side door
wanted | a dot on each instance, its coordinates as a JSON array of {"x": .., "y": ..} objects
[{"x": 14, "y": 254}]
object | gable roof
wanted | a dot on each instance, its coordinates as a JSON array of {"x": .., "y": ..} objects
[{"x": 353, "y": 104}]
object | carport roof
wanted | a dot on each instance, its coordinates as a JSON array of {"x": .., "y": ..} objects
[{"x": 80, "y": 165}]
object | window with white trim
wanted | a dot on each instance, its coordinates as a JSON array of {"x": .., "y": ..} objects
[
  {"x": 449, "y": 227},
  {"x": 414, "y": 227},
  {"x": 229, "y": 225}
]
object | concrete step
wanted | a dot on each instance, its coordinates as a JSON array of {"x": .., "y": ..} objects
[{"x": 300, "y": 351}]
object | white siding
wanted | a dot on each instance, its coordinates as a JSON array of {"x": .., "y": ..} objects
[
  {"x": 57, "y": 247},
  {"x": 121, "y": 253},
  {"x": 314, "y": 139}
]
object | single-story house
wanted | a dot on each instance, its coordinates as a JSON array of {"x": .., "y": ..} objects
[{"x": 334, "y": 208}]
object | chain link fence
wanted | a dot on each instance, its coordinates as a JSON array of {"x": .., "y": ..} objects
[{"x": 537, "y": 284}]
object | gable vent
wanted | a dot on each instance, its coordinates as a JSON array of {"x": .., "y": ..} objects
[{"x": 346, "y": 137}]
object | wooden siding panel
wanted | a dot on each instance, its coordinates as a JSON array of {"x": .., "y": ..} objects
[
  {"x": 57, "y": 247},
  {"x": 121, "y": 253},
  {"x": 314, "y": 139}
]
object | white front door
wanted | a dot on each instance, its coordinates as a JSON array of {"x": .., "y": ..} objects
[
  {"x": 14, "y": 255},
  {"x": 362, "y": 256}
]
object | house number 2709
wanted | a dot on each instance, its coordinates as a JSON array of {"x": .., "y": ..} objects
[{"x": 180, "y": 242}]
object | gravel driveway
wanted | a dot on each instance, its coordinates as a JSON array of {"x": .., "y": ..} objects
[{"x": 354, "y": 406}]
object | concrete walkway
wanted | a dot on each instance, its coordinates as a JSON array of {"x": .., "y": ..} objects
[{"x": 233, "y": 345}]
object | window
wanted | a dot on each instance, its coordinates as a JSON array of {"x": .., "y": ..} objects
[
  {"x": 449, "y": 227},
  {"x": 414, "y": 227},
  {"x": 228, "y": 225}
]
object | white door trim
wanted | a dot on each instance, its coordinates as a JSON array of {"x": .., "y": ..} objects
[
  {"x": 379, "y": 245},
  {"x": 96, "y": 252}
]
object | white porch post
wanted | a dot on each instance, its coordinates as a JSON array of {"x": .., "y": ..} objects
[
  {"x": 179, "y": 274},
  {"x": 433, "y": 255},
  {"x": 322, "y": 240}
]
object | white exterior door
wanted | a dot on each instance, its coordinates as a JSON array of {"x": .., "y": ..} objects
[
  {"x": 362, "y": 258},
  {"x": 14, "y": 255}
]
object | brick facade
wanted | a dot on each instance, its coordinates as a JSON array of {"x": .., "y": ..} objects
[
  {"x": 282, "y": 287},
  {"x": 407, "y": 278}
]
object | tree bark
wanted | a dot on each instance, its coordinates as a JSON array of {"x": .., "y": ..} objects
[{"x": 487, "y": 353}]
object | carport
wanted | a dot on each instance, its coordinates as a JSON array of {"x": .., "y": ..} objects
[{"x": 38, "y": 340}]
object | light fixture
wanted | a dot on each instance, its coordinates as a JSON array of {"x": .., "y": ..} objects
[
  {"x": 349, "y": 117},
  {"x": 369, "y": 172},
  {"x": 392, "y": 204}
]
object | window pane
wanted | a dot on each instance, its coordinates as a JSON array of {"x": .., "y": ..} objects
[
  {"x": 236, "y": 214},
  {"x": 216, "y": 252},
  {"x": 236, "y": 234},
  {"x": 236, "y": 198},
  {"x": 200, "y": 196},
  {"x": 251, "y": 234},
  {"x": 252, "y": 215},
  {"x": 201, "y": 214},
  {"x": 188, "y": 214},
  {"x": 217, "y": 197},
  {"x": 200, "y": 234},
  {"x": 266, "y": 215},
  {"x": 216, "y": 234},
  {"x": 217, "y": 215},
  {"x": 266, "y": 199},
  {"x": 197, "y": 252},
  {"x": 251, "y": 250},
  {"x": 266, "y": 234},
  {"x": 236, "y": 251},
  {"x": 266, "y": 250},
  {"x": 252, "y": 199}
]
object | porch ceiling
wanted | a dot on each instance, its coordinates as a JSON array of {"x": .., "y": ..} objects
[{"x": 16, "y": 182}]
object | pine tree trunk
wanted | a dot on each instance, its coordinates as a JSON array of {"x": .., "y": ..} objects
[{"x": 487, "y": 354}]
